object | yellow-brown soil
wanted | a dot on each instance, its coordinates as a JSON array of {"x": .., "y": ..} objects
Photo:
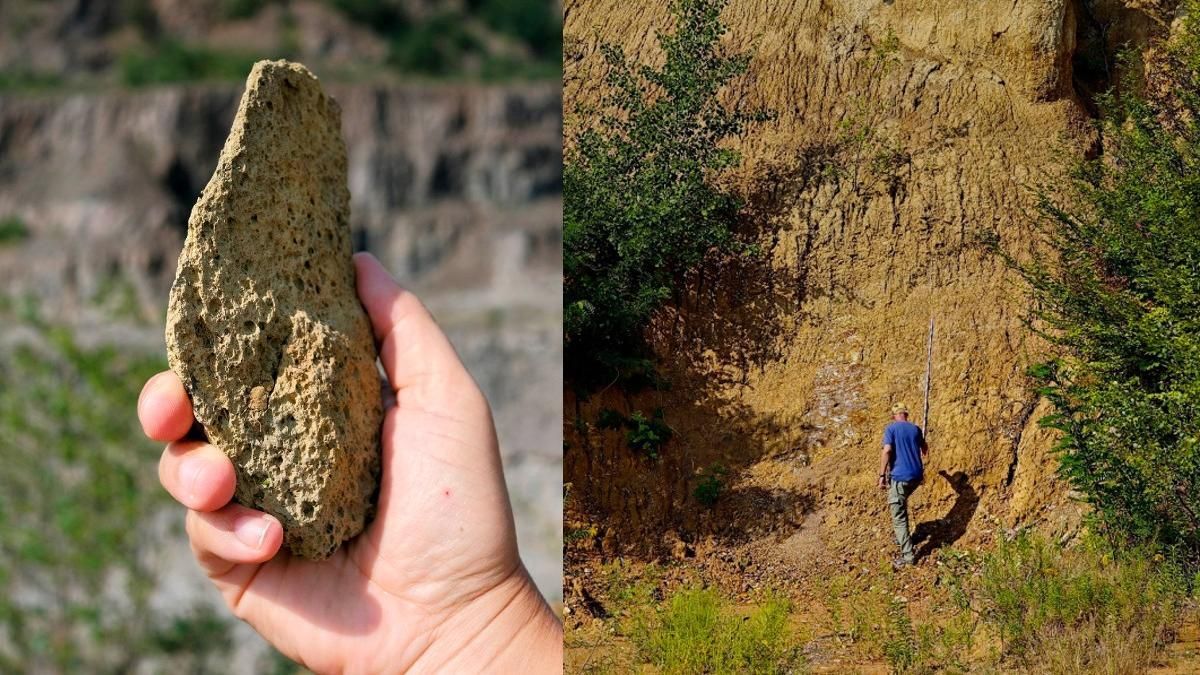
[{"x": 783, "y": 372}]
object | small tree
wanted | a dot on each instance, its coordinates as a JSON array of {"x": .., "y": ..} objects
[
  {"x": 1121, "y": 301},
  {"x": 640, "y": 207}
]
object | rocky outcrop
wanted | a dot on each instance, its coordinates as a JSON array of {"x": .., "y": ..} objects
[
  {"x": 906, "y": 134},
  {"x": 264, "y": 327}
]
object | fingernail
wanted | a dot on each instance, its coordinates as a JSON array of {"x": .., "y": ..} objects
[{"x": 251, "y": 530}]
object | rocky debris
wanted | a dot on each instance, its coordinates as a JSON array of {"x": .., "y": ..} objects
[{"x": 264, "y": 326}]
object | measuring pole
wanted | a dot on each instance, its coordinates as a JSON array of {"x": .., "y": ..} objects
[{"x": 928, "y": 376}]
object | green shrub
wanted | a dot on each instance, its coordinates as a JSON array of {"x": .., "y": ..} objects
[
  {"x": 641, "y": 209},
  {"x": 173, "y": 61},
  {"x": 698, "y": 632},
  {"x": 13, "y": 230},
  {"x": 536, "y": 23},
  {"x": 242, "y": 9},
  {"x": 1119, "y": 297},
  {"x": 1086, "y": 609},
  {"x": 28, "y": 80},
  {"x": 710, "y": 486},
  {"x": 435, "y": 46},
  {"x": 647, "y": 435}
]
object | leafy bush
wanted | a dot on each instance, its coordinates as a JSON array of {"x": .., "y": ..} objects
[
  {"x": 646, "y": 435},
  {"x": 242, "y": 9},
  {"x": 13, "y": 230},
  {"x": 26, "y": 80},
  {"x": 697, "y": 632},
  {"x": 1120, "y": 298},
  {"x": 641, "y": 209},
  {"x": 710, "y": 486},
  {"x": 173, "y": 61},
  {"x": 537, "y": 23},
  {"x": 1086, "y": 609},
  {"x": 435, "y": 46}
]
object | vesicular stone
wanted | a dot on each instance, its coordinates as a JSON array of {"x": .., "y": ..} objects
[{"x": 264, "y": 326}]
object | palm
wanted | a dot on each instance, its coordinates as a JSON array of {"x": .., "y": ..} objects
[
  {"x": 436, "y": 567},
  {"x": 404, "y": 571}
]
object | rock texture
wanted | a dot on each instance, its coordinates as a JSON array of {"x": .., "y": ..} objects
[
  {"x": 264, "y": 326},
  {"x": 905, "y": 133}
]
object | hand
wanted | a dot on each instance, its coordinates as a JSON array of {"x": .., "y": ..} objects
[
  {"x": 435, "y": 582},
  {"x": 883, "y": 483}
]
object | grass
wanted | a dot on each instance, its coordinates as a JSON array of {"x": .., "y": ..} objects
[
  {"x": 871, "y": 618},
  {"x": 1028, "y": 605},
  {"x": 1090, "y": 608},
  {"x": 697, "y": 631}
]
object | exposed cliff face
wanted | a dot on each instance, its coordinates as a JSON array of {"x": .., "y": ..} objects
[
  {"x": 455, "y": 188},
  {"x": 932, "y": 122}
]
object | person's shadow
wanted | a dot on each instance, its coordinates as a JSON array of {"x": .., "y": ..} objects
[{"x": 950, "y": 528}]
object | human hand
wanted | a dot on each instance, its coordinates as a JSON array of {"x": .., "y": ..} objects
[
  {"x": 883, "y": 483},
  {"x": 435, "y": 582}
]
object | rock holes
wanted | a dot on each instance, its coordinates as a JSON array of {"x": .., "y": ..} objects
[
  {"x": 248, "y": 325},
  {"x": 307, "y": 509}
]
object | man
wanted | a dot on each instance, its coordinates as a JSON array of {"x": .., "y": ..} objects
[{"x": 903, "y": 449}]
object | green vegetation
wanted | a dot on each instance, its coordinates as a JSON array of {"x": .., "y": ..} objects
[
  {"x": 646, "y": 435},
  {"x": 80, "y": 516},
  {"x": 710, "y": 486},
  {"x": 493, "y": 40},
  {"x": 1120, "y": 298},
  {"x": 641, "y": 208},
  {"x": 28, "y": 80},
  {"x": 869, "y": 616},
  {"x": 1091, "y": 608},
  {"x": 173, "y": 61},
  {"x": 13, "y": 230},
  {"x": 436, "y": 46},
  {"x": 76, "y": 493},
  {"x": 535, "y": 23},
  {"x": 696, "y": 631},
  {"x": 1029, "y": 605}
]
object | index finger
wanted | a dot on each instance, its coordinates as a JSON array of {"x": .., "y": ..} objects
[{"x": 164, "y": 408}]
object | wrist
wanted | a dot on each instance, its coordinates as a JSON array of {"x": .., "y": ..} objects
[{"x": 508, "y": 629}]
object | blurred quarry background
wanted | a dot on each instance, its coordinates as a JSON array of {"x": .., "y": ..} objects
[{"x": 112, "y": 115}]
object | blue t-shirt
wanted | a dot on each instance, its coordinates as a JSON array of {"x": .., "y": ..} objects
[{"x": 906, "y": 440}]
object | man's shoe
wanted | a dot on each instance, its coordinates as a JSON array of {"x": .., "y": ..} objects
[{"x": 900, "y": 563}]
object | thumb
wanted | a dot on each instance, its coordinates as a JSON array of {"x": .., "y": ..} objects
[{"x": 421, "y": 364}]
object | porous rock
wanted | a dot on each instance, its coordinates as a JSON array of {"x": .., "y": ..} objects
[{"x": 264, "y": 326}]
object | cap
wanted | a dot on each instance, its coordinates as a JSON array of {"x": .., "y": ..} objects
[{"x": 898, "y": 408}]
